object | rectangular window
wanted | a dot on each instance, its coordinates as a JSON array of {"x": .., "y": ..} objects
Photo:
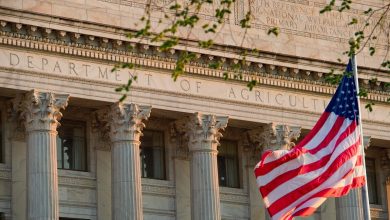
[
  {"x": 72, "y": 146},
  {"x": 228, "y": 164},
  {"x": 372, "y": 181},
  {"x": 152, "y": 155}
]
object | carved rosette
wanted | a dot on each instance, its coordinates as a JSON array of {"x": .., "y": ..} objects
[
  {"x": 41, "y": 110},
  {"x": 126, "y": 121},
  {"x": 204, "y": 129}
]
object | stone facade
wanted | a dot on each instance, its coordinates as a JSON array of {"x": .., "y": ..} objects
[{"x": 55, "y": 67}]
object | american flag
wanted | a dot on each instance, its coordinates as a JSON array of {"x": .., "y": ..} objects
[{"x": 327, "y": 163}]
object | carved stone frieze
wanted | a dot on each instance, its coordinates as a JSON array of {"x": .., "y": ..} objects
[{"x": 71, "y": 43}]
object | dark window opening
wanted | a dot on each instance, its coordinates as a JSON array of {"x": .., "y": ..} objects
[
  {"x": 72, "y": 146},
  {"x": 228, "y": 164},
  {"x": 372, "y": 181},
  {"x": 152, "y": 155}
]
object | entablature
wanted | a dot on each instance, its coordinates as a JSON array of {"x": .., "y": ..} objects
[{"x": 303, "y": 75}]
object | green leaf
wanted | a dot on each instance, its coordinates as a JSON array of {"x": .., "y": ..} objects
[
  {"x": 372, "y": 51},
  {"x": 363, "y": 93},
  {"x": 274, "y": 31},
  {"x": 354, "y": 21},
  {"x": 369, "y": 106},
  {"x": 368, "y": 11},
  {"x": 251, "y": 84}
]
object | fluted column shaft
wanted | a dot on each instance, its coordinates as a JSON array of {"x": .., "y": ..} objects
[
  {"x": 204, "y": 135},
  {"x": 204, "y": 185},
  {"x": 125, "y": 122},
  {"x": 42, "y": 175},
  {"x": 126, "y": 180},
  {"x": 350, "y": 207},
  {"x": 41, "y": 114}
]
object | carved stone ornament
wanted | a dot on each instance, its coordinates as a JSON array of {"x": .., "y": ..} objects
[
  {"x": 205, "y": 128},
  {"x": 100, "y": 126},
  {"x": 190, "y": 133},
  {"x": 179, "y": 137},
  {"x": 40, "y": 110},
  {"x": 366, "y": 142},
  {"x": 119, "y": 122},
  {"x": 13, "y": 116},
  {"x": 274, "y": 137}
]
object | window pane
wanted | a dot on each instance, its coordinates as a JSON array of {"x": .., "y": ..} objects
[
  {"x": 153, "y": 155},
  {"x": 228, "y": 164},
  {"x": 371, "y": 181},
  {"x": 71, "y": 146}
]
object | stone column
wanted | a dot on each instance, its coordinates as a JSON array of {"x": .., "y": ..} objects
[
  {"x": 41, "y": 113},
  {"x": 125, "y": 122},
  {"x": 268, "y": 137},
  {"x": 203, "y": 132},
  {"x": 351, "y": 205}
]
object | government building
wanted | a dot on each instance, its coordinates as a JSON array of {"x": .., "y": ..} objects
[{"x": 172, "y": 150}]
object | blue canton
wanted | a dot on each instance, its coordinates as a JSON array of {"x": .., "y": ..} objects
[{"x": 344, "y": 102}]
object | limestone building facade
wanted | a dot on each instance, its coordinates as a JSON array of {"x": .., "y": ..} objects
[{"x": 181, "y": 149}]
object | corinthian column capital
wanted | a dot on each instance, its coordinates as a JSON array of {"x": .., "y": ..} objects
[
  {"x": 204, "y": 128},
  {"x": 126, "y": 121},
  {"x": 42, "y": 110},
  {"x": 272, "y": 137}
]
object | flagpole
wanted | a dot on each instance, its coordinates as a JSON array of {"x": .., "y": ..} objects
[{"x": 365, "y": 198}]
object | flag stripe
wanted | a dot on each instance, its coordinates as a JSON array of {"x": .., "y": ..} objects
[
  {"x": 282, "y": 170},
  {"x": 297, "y": 193}
]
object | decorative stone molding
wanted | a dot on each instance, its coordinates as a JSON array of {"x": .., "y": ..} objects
[
  {"x": 78, "y": 182},
  {"x": 97, "y": 47}
]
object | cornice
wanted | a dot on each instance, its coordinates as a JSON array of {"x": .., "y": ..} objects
[{"x": 148, "y": 56}]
